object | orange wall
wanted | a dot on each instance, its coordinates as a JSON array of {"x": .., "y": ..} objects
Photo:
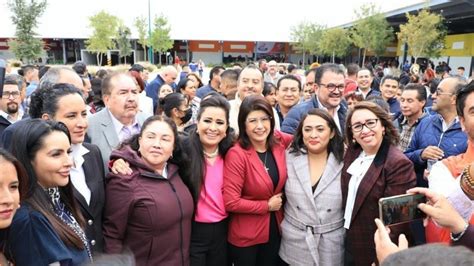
[
  {"x": 239, "y": 47},
  {"x": 204, "y": 46}
]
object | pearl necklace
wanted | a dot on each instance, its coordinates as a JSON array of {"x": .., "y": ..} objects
[{"x": 212, "y": 154}]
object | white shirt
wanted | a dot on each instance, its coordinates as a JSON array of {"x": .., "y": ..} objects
[
  {"x": 134, "y": 127},
  {"x": 357, "y": 169},
  {"x": 145, "y": 104},
  {"x": 78, "y": 177},
  {"x": 9, "y": 118},
  {"x": 335, "y": 116}
]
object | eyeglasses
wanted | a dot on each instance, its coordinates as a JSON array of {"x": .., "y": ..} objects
[
  {"x": 332, "y": 87},
  {"x": 7, "y": 94},
  {"x": 369, "y": 123},
  {"x": 254, "y": 121},
  {"x": 440, "y": 92}
]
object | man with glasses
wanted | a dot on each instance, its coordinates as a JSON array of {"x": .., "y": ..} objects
[
  {"x": 329, "y": 87},
  {"x": 440, "y": 135},
  {"x": 10, "y": 111}
]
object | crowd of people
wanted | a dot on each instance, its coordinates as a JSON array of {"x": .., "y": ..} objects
[{"x": 260, "y": 166}]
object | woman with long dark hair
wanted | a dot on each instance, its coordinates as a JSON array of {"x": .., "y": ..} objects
[
  {"x": 207, "y": 145},
  {"x": 48, "y": 228},
  {"x": 13, "y": 181}
]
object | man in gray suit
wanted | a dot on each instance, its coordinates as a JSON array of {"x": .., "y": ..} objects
[{"x": 120, "y": 119}]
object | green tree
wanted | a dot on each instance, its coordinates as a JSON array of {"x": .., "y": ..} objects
[
  {"x": 123, "y": 42},
  {"x": 25, "y": 17},
  {"x": 142, "y": 28},
  {"x": 335, "y": 42},
  {"x": 160, "y": 36},
  {"x": 104, "y": 28},
  {"x": 371, "y": 31},
  {"x": 306, "y": 36},
  {"x": 424, "y": 33}
]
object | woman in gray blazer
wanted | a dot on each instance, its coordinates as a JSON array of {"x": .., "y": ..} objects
[{"x": 312, "y": 230}]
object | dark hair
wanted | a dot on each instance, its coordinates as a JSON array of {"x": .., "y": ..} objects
[
  {"x": 12, "y": 79},
  {"x": 215, "y": 71},
  {"x": 267, "y": 88},
  {"x": 290, "y": 77},
  {"x": 461, "y": 68},
  {"x": 80, "y": 68},
  {"x": 137, "y": 68},
  {"x": 366, "y": 68},
  {"x": 194, "y": 149},
  {"x": 138, "y": 79},
  {"x": 45, "y": 100},
  {"x": 389, "y": 77},
  {"x": 433, "y": 85},
  {"x": 197, "y": 77},
  {"x": 352, "y": 69},
  {"x": 249, "y": 104},
  {"x": 391, "y": 133},
  {"x": 101, "y": 73},
  {"x": 96, "y": 84},
  {"x": 230, "y": 74},
  {"x": 178, "y": 157},
  {"x": 336, "y": 144},
  {"x": 42, "y": 71},
  {"x": 461, "y": 97},
  {"x": 325, "y": 68},
  {"x": 171, "y": 101},
  {"x": 291, "y": 67},
  {"x": 182, "y": 84},
  {"x": 420, "y": 89},
  {"x": 20, "y": 170},
  {"x": 377, "y": 99},
  {"x": 107, "y": 82},
  {"x": 27, "y": 140},
  {"x": 355, "y": 96},
  {"x": 25, "y": 69}
]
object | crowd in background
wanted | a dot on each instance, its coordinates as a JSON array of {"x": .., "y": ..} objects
[{"x": 264, "y": 164}]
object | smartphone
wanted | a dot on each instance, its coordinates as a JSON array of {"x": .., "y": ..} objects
[{"x": 401, "y": 209}]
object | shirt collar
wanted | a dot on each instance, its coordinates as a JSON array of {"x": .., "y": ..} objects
[
  {"x": 118, "y": 125},
  {"x": 78, "y": 151},
  {"x": 9, "y": 118},
  {"x": 320, "y": 105}
]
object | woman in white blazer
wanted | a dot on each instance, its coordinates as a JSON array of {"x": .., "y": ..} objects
[{"x": 312, "y": 229}]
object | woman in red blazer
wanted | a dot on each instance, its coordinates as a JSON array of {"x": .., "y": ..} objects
[{"x": 254, "y": 176}]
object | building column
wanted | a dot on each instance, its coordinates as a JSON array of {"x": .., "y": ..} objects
[{"x": 63, "y": 42}]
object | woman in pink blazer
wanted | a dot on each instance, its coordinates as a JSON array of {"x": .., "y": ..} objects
[{"x": 254, "y": 176}]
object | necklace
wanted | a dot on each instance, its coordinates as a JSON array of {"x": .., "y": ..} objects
[
  {"x": 264, "y": 161},
  {"x": 212, "y": 154}
]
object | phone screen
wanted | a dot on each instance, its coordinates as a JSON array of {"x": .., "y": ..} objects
[{"x": 401, "y": 208}]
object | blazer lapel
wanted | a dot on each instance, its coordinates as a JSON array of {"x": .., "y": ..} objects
[
  {"x": 331, "y": 172},
  {"x": 109, "y": 132},
  {"x": 90, "y": 174},
  {"x": 259, "y": 169},
  {"x": 301, "y": 168}
]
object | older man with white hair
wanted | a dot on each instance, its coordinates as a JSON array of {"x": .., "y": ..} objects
[{"x": 167, "y": 75}]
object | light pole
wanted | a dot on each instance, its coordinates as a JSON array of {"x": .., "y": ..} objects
[{"x": 150, "y": 48}]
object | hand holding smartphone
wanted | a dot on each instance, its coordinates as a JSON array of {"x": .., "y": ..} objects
[{"x": 401, "y": 208}]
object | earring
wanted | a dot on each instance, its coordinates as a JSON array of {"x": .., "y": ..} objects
[{"x": 353, "y": 141}]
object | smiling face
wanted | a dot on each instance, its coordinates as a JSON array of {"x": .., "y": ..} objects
[
  {"x": 368, "y": 138},
  {"x": 257, "y": 127},
  {"x": 73, "y": 113},
  {"x": 316, "y": 134},
  {"x": 156, "y": 144},
  {"x": 212, "y": 127},
  {"x": 9, "y": 193},
  {"x": 288, "y": 94},
  {"x": 364, "y": 79},
  {"x": 51, "y": 162},
  {"x": 330, "y": 99},
  {"x": 389, "y": 89},
  {"x": 467, "y": 119}
]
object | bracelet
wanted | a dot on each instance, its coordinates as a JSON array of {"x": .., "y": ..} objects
[{"x": 458, "y": 236}]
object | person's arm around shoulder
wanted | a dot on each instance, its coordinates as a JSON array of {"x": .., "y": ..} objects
[
  {"x": 285, "y": 138},
  {"x": 119, "y": 203},
  {"x": 235, "y": 173}
]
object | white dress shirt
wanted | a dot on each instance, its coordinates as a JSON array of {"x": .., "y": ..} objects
[{"x": 78, "y": 177}]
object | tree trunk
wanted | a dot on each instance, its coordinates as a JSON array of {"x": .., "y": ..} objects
[
  {"x": 363, "y": 58},
  {"x": 144, "y": 53},
  {"x": 333, "y": 55},
  {"x": 125, "y": 59},
  {"x": 99, "y": 63},
  {"x": 303, "y": 59}
]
